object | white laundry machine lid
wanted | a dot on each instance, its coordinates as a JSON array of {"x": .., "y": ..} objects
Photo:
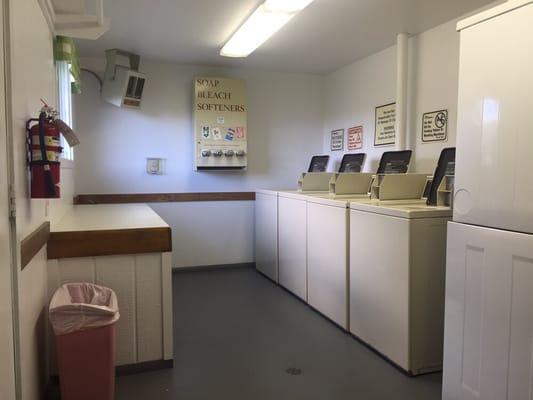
[{"x": 407, "y": 210}]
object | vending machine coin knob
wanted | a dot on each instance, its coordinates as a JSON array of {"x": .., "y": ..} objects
[
  {"x": 229, "y": 153},
  {"x": 240, "y": 153},
  {"x": 206, "y": 153},
  {"x": 217, "y": 153}
]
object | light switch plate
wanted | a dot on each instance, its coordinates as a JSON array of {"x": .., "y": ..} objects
[{"x": 155, "y": 166}]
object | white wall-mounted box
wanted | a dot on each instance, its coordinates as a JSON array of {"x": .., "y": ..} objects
[
  {"x": 494, "y": 140},
  {"x": 220, "y": 124}
]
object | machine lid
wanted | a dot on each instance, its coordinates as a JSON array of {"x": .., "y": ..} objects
[
  {"x": 299, "y": 195},
  {"x": 342, "y": 201},
  {"x": 395, "y": 162},
  {"x": 319, "y": 164},
  {"x": 405, "y": 210},
  {"x": 445, "y": 167},
  {"x": 352, "y": 163}
]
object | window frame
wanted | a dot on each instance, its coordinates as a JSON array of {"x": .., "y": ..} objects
[{"x": 64, "y": 108}]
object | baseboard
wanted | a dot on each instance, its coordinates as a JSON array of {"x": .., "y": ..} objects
[
  {"x": 149, "y": 366},
  {"x": 213, "y": 267}
]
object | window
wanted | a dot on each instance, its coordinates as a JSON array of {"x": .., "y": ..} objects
[{"x": 64, "y": 94}]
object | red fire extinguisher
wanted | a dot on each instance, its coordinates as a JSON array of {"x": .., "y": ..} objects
[{"x": 44, "y": 154}]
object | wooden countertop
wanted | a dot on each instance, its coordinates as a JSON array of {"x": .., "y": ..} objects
[
  {"x": 109, "y": 216},
  {"x": 111, "y": 229}
]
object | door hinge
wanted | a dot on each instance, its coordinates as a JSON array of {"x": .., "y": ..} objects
[{"x": 12, "y": 203}]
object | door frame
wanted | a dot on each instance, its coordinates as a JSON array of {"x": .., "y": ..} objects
[{"x": 9, "y": 274}]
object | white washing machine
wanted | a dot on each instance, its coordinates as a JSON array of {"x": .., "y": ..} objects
[
  {"x": 292, "y": 244},
  {"x": 266, "y": 233},
  {"x": 293, "y": 229},
  {"x": 397, "y": 274},
  {"x": 328, "y": 245},
  {"x": 328, "y": 222}
]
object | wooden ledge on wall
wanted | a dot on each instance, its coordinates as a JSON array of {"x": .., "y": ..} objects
[
  {"x": 162, "y": 197},
  {"x": 33, "y": 243},
  {"x": 109, "y": 242}
]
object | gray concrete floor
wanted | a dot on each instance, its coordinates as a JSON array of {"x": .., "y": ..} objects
[{"x": 236, "y": 334}]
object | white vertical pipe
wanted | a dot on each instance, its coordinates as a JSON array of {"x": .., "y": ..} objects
[
  {"x": 100, "y": 12},
  {"x": 401, "y": 91}
]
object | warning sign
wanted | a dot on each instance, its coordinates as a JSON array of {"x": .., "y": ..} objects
[
  {"x": 337, "y": 140},
  {"x": 355, "y": 138},
  {"x": 435, "y": 126},
  {"x": 385, "y": 125}
]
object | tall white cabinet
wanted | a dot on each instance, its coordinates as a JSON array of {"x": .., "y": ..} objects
[
  {"x": 488, "y": 346},
  {"x": 266, "y": 233},
  {"x": 494, "y": 134},
  {"x": 489, "y": 314}
]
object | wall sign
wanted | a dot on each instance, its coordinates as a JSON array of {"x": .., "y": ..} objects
[
  {"x": 435, "y": 126},
  {"x": 355, "y": 138},
  {"x": 337, "y": 140},
  {"x": 385, "y": 125},
  {"x": 220, "y": 123}
]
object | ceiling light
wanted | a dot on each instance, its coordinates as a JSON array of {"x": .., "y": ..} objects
[
  {"x": 261, "y": 25},
  {"x": 289, "y": 6}
]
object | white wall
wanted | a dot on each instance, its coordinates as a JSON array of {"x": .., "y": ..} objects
[
  {"x": 32, "y": 78},
  {"x": 353, "y": 92},
  {"x": 285, "y": 129},
  {"x": 434, "y": 85},
  {"x": 350, "y": 95}
]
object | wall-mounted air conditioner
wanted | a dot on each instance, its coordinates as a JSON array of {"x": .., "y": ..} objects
[{"x": 123, "y": 83}]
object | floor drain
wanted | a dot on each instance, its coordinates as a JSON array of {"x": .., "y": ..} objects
[{"x": 293, "y": 371}]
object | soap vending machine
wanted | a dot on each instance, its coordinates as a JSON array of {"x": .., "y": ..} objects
[{"x": 220, "y": 124}]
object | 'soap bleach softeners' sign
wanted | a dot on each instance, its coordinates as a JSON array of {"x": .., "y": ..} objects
[{"x": 220, "y": 128}]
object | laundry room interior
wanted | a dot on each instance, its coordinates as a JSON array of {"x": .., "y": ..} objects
[{"x": 266, "y": 199}]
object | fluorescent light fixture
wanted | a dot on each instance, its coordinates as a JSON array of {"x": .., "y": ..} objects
[
  {"x": 288, "y": 6},
  {"x": 261, "y": 25}
]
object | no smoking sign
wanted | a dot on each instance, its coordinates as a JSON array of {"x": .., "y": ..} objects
[{"x": 435, "y": 126}]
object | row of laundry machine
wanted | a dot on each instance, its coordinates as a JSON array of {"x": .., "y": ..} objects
[{"x": 366, "y": 250}]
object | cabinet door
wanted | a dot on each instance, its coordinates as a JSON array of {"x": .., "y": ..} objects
[
  {"x": 293, "y": 246},
  {"x": 489, "y": 315},
  {"x": 266, "y": 235},
  {"x": 327, "y": 269}
]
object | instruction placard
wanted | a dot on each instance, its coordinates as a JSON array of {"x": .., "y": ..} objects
[
  {"x": 337, "y": 140},
  {"x": 385, "y": 125},
  {"x": 355, "y": 138},
  {"x": 435, "y": 126}
]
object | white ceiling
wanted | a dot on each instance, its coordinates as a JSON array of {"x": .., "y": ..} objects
[{"x": 324, "y": 37}]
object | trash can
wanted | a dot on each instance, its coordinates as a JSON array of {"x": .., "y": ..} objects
[{"x": 83, "y": 318}]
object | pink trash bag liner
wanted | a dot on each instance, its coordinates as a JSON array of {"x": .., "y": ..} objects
[{"x": 81, "y": 306}]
